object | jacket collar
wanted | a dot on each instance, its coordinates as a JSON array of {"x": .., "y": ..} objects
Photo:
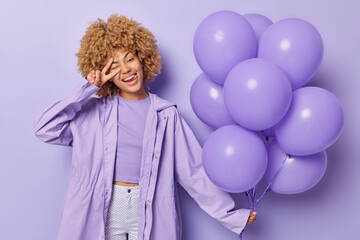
[{"x": 160, "y": 103}]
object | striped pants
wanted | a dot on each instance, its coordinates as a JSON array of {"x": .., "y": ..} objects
[{"x": 122, "y": 220}]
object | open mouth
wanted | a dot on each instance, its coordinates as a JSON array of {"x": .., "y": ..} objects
[{"x": 130, "y": 79}]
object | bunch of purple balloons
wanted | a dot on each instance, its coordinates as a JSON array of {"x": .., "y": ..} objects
[{"x": 252, "y": 83}]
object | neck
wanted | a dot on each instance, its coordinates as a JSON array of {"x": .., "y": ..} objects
[{"x": 134, "y": 96}]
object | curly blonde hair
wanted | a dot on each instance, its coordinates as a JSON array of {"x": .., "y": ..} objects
[{"x": 102, "y": 39}]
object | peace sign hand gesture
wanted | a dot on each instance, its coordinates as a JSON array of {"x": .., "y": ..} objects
[{"x": 98, "y": 78}]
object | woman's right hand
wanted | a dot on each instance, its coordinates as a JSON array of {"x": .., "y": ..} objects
[{"x": 98, "y": 78}]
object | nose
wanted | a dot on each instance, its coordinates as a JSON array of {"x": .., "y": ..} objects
[{"x": 125, "y": 69}]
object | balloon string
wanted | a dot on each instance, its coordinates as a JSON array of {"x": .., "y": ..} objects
[
  {"x": 249, "y": 194},
  {"x": 252, "y": 192},
  {"x": 241, "y": 234},
  {"x": 272, "y": 181},
  {"x": 247, "y": 197}
]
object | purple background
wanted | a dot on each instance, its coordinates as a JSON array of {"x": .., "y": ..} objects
[{"x": 38, "y": 43}]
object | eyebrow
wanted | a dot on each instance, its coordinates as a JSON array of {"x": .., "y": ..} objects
[{"x": 124, "y": 58}]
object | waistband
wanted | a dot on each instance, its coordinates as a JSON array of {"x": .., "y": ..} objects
[{"x": 126, "y": 189}]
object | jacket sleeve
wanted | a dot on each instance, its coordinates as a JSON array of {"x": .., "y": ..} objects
[
  {"x": 53, "y": 125},
  {"x": 192, "y": 177}
]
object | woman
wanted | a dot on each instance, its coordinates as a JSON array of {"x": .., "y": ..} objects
[{"x": 130, "y": 147}]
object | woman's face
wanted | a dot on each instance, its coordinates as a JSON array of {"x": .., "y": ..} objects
[{"x": 130, "y": 77}]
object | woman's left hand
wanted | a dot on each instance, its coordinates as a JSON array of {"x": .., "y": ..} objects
[{"x": 252, "y": 217}]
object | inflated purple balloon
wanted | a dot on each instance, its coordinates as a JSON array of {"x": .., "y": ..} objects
[
  {"x": 296, "y": 46},
  {"x": 222, "y": 40},
  {"x": 257, "y": 94},
  {"x": 314, "y": 121},
  {"x": 207, "y": 101},
  {"x": 234, "y": 158},
  {"x": 299, "y": 173},
  {"x": 258, "y": 22}
]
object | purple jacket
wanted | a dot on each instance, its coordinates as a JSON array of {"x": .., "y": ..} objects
[{"x": 171, "y": 153}]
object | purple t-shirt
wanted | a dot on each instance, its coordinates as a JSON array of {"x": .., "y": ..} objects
[{"x": 131, "y": 125}]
